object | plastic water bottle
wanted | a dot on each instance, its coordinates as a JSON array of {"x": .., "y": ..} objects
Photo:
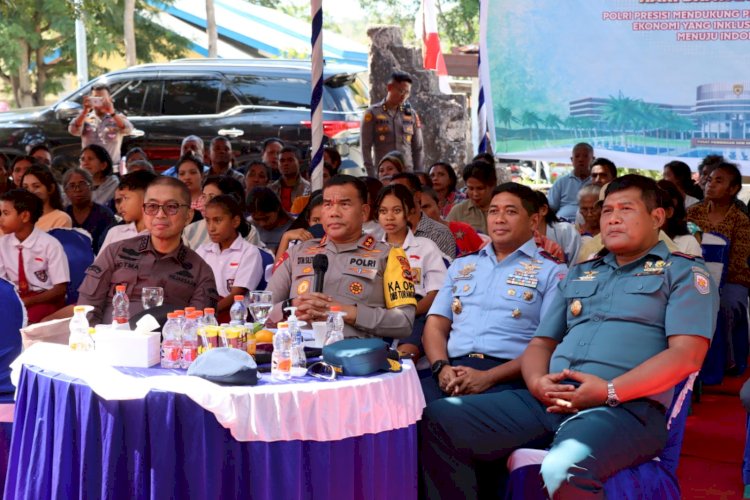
[
  {"x": 335, "y": 325},
  {"x": 209, "y": 317},
  {"x": 238, "y": 311},
  {"x": 171, "y": 344},
  {"x": 80, "y": 340},
  {"x": 180, "y": 318},
  {"x": 281, "y": 359},
  {"x": 299, "y": 359},
  {"x": 189, "y": 341},
  {"x": 120, "y": 306}
]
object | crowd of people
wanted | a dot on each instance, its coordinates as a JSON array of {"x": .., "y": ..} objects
[{"x": 536, "y": 310}]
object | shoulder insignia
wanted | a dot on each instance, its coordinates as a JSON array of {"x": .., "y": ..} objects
[
  {"x": 684, "y": 255},
  {"x": 368, "y": 116},
  {"x": 279, "y": 262},
  {"x": 143, "y": 243},
  {"x": 369, "y": 242},
  {"x": 551, "y": 257},
  {"x": 323, "y": 240}
]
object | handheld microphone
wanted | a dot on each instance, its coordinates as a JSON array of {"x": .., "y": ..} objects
[{"x": 320, "y": 266}]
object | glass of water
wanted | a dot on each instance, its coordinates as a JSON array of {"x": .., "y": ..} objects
[
  {"x": 152, "y": 296},
  {"x": 261, "y": 303}
]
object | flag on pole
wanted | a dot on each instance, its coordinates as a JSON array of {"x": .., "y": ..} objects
[
  {"x": 426, "y": 24},
  {"x": 485, "y": 115}
]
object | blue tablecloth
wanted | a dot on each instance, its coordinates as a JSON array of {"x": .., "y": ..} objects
[{"x": 70, "y": 443}]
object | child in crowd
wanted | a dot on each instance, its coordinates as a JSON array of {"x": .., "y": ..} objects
[
  {"x": 302, "y": 228},
  {"x": 39, "y": 181},
  {"x": 236, "y": 263},
  {"x": 269, "y": 217},
  {"x": 190, "y": 172},
  {"x": 394, "y": 206},
  {"x": 29, "y": 257},
  {"x": 129, "y": 205}
]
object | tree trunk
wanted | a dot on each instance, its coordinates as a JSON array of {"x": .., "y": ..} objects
[
  {"x": 213, "y": 38},
  {"x": 22, "y": 88},
  {"x": 129, "y": 32}
]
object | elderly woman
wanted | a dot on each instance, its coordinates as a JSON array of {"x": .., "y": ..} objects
[
  {"x": 86, "y": 214},
  {"x": 591, "y": 210},
  {"x": 390, "y": 165}
]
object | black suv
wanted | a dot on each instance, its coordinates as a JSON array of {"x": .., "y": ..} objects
[{"x": 244, "y": 100}]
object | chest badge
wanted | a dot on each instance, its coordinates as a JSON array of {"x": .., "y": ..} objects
[
  {"x": 528, "y": 296},
  {"x": 456, "y": 306},
  {"x": 356, "y": 287},
  {"x": 576, "y": 307},
  {"x": 303, "y": 287},
  {"x": 516, "y": 313}
]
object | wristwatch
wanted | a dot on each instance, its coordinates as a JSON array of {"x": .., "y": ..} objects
[
  {"x": 437, "y": 367},
  {"x": 612, "y": 399}
]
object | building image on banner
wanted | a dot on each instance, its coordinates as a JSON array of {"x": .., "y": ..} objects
[{"x": 644, "y": 83}]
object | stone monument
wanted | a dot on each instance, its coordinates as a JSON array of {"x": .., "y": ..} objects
[{"x": 446, "y": 127}]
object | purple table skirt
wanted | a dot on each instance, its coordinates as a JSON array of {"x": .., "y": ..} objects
[{"x": 69, "y": 443}]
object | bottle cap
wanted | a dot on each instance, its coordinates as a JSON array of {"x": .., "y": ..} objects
[
  {"x": 209, "y": 310},
  {"x": 180, "y": 313},
  {"x": 198, "y": 314},
  {"x": 335, "y": 308},
  {"x": 189, "y": 310},
  {"x": 172, "y": 315},
  {"x": 282, "y": 324},
  {"x": 92, "y": 331},
  {"x": 120, "y": 288},
  {"x": 239, "y": 298},
  {"x": 79, "y": 309}
]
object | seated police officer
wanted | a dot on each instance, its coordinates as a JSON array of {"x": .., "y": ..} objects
[
  {"x": 156, "y": 259},
  {"x": 491, "y": 302},
  {"x": 625, "y": 329},
  {"x": 368, "y": 279}
]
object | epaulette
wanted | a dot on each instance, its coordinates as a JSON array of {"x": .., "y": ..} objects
[
  {"x": 551, "y": 257},
  {"x": 684, "y": 255}
]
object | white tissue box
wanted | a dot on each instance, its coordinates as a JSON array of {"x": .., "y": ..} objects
[{"x": 128, "y": 348}]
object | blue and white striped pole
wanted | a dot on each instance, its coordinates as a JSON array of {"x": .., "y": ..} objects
[
  {"x": 316, "y": 101},
  {"x": 485, "y": 115}
]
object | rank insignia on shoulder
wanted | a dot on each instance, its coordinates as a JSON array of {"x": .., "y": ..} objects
[
  {"x": 551, "y": 257},
  {"x": 369, "y": 242},
  {"x": 684, "y": 255}
]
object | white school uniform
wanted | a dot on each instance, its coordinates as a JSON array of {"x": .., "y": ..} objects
[
  {"x": 427, "y": 265},
  {"x": 119, "y": 233},
  {"x": 240, "y": 265},
  {"x": 44, "y": 260}
]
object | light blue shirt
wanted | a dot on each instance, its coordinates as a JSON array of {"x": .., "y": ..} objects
[
  {"x": 563, "y": 195},
  {"x": 610, "y": 319},
  {"x": 495, "y": 307}
]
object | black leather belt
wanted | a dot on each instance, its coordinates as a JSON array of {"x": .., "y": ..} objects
[{"x": 479, "y": 355}]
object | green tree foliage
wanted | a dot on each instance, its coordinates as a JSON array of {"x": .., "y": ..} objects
[
  {"x": 37, "y": 42},
  {"x": 458, "y": 20}
]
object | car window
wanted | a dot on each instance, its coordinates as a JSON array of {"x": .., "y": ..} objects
[
  {"x": 191, "y": 97},
  {"x": 347, "y": 94},
  {"x": 273, "y": 90},
  {"x": 129, "y": 97},
  {"x": 227, "y": 100}
]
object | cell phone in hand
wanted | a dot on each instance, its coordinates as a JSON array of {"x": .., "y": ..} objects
[{"x": 96, "y": 101}]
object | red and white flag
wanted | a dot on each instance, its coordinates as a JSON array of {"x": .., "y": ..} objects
[{"x": 426, "y": 24}]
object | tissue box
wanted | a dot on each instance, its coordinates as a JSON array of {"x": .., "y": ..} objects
[{"x": 128, "y": 348}]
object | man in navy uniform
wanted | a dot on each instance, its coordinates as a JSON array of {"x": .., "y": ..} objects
[
  {"x": 392, "y": 124},
  {"x": 491, "y": 303},
  {"x": 625, "y": 329}
]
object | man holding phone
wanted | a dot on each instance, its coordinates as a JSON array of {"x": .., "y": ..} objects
[{"x": 99, "y": 123}]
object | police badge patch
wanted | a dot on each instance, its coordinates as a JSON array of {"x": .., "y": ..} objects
[
  {"x": 41, "y": 275},
  {"x": 701, "y": 283}
]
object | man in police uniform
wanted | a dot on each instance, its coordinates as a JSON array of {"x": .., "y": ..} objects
[
  {"x": 491, "y": 303},
  {"x": 392, "y": 124},
  {"x": 368, "y": 279},
  {"x": 156, "y": 259},
  {"x": 625, "y": 329}
]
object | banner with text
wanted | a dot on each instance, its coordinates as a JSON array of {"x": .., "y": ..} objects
[{"x": 644, "y": 81}]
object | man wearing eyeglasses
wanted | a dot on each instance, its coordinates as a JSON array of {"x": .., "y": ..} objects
[
  {"x": 155, "y": 259},
  {"x": 392, "y": 124}
]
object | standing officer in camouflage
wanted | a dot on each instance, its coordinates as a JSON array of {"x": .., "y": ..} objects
[
  {"x": 392, "y": 124},
  {"x": 368, "y": 279}
]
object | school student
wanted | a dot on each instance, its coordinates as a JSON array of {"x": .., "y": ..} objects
[
  {"x": 33, "y": 260},
  {"x": 39, "y": 181},
  {"x": 129, "y": 205},
  {"x": 236, "y": 263}
]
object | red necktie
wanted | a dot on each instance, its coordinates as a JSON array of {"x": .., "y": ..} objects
[{"x": 23, "y": 284}]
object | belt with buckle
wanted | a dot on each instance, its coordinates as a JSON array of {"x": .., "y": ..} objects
[{"x": 479, "y": 355}]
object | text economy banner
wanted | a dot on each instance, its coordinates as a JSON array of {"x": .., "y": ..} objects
[{"x": 644, "y": 81}]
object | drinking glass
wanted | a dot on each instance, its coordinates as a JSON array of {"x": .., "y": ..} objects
[
  {"x": 261, "y": 303},
  {"x": 152, "y": 296}
]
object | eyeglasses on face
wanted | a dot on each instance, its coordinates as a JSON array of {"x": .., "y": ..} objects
[
  {"x": 77, "y": 186},
  {"x": 169, "y": 208}
]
